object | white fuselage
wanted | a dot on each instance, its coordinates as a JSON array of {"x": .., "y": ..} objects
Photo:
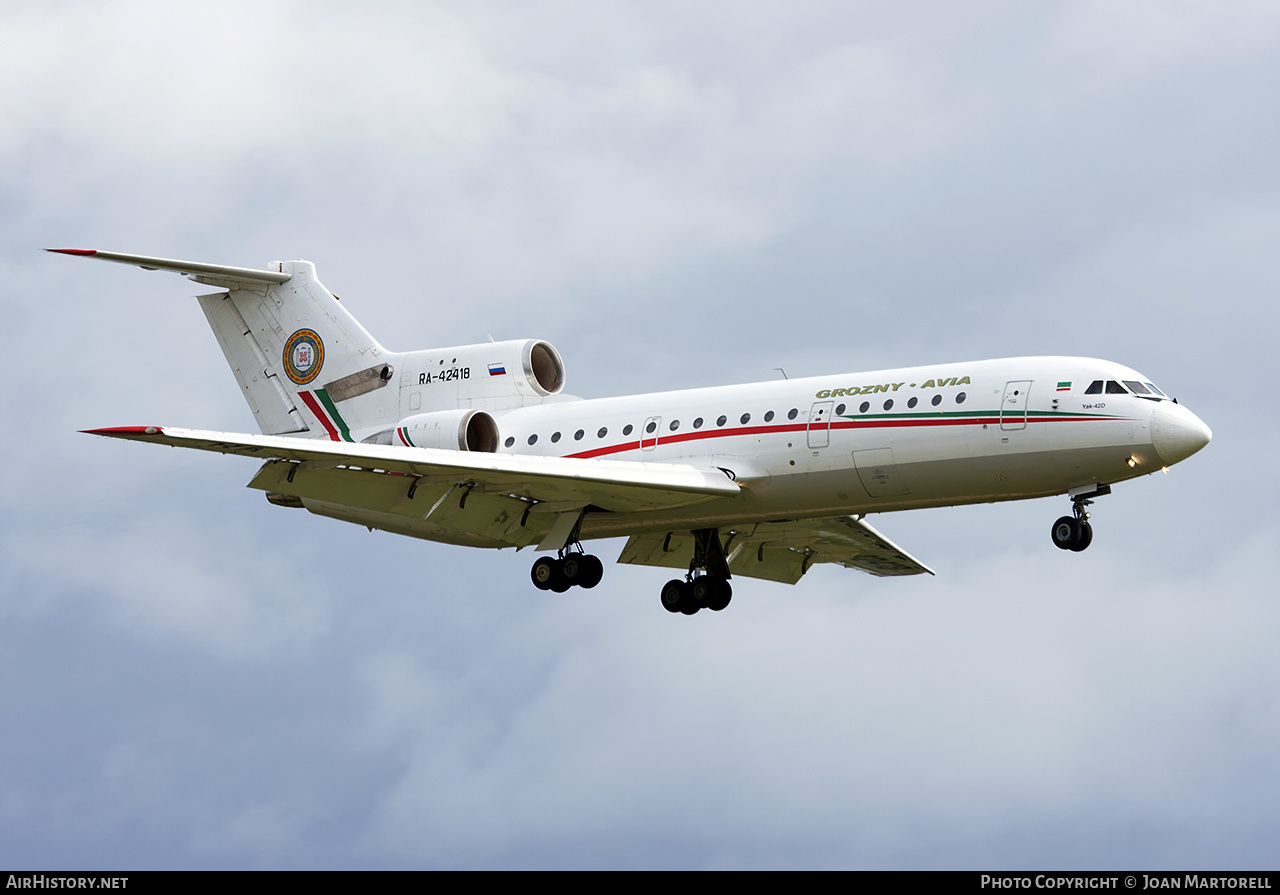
[
  {"x": 471, "y": 444},
  {"x": 874, "y": 442}
]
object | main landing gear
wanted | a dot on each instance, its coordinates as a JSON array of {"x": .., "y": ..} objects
[
  {"x": 705, "y": 587},
  {"x": 1074, "y": 532},
  {"x": 704, "y": 591},
  {"x": 710, "y": 591},
  {"x": 570, "y": 569}
]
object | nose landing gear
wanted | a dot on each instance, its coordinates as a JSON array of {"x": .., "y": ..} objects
[{"x": 1074, "y": 532}]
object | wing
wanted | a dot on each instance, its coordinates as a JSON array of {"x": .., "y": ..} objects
[
  {"x": 784, "y": 551},
  {"x": 464, "y": 497}
]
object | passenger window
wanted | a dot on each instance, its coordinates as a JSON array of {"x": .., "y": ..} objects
[
  {"x": 697, "y": 424},
  {"x": 722, "y": 420},
  {"x": 1115, "y": 388},
  {"x": 577, "y": 436},
  {"x": 768, "y": 417},
  {"x": 864, "y": 407},
  {"x": 602, "y": 433},
  {"x": 1095, "y": 388},
  {"x": 649, "y": 428},
  {"x": 626, "y": 430},
  {"x": 888, "y": 405},
  {"x": 533, "y": 439},
  {"x": 746, "y": 418},
  {"x": 792, "y": 413},
  {"x": 510, "y": 441},
  {"x": 960, "y": 398},
  {"x": 675, "y": 424},
  {"x": 555, "y": 436},
  {"x": 839, "y": 410},
  {"x": 937, "y": 399},
  {"x": 913, "y": 401}
]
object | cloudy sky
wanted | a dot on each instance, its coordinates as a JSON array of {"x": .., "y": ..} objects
[{"x": 674, "y": 195}]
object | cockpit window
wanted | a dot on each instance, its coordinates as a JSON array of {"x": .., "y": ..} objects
[
  {"x": 1095, "y": 388},
  {"x": 1115, "y": 388},
  {"x": 1154, "y": 389},
  {"x": 1137, "y": 387}
]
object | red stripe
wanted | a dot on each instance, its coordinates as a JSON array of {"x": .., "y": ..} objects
[
  {"x": 311, "y": 402},
  {"x": 124, "y": 431},
  {"x": 848, "y": 424}
]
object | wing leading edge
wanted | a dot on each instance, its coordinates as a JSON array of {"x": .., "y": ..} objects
[{"x": 610, "y": 485}]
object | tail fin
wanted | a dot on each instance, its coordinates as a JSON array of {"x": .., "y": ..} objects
[{"x": 295, "y": 351}]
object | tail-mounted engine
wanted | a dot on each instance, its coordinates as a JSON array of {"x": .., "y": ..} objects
[
  {"x": 449, "y": 430},
  {"x": 490, "y": 376}
]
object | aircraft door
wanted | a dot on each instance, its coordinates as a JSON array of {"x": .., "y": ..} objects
[
  {"x": 820, "y": 424},
  {"x": 649, "y": 434},
  {"x": 1013, "y": 408}
]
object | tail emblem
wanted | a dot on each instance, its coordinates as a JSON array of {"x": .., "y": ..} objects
[{"x": 303, "y": 356}]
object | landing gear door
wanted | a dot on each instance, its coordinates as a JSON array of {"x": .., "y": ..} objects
[
  {"x": 820, "y": 424},
  {"x": 1013, "y": 408},
  {"x": 649, "y": 434}
]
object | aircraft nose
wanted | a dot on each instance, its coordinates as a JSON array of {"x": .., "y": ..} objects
[{"x": 1177, "y": 433}]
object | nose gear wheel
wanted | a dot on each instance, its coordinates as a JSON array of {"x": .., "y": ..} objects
[{"x": 1074, "y": 532}]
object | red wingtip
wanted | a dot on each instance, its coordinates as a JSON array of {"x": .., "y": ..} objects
[
  {"x": 124, "y": 431},
  {"x": 74, "y": 251}
]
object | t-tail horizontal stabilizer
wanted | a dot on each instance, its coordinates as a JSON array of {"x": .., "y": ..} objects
[{"x": 196, "y": 270}]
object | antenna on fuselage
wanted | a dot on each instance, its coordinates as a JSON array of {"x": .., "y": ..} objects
[{"x": 783, "y": 372}]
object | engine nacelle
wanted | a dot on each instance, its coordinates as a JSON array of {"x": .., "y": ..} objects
[
  {"x": 450, "y": 430},
  {"x": 491, "y": 375}
]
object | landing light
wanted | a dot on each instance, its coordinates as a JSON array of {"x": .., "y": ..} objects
[{"x": 1132, "y": 462}]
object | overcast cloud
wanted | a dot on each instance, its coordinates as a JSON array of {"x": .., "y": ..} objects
[{"x": 674, "y": 195}]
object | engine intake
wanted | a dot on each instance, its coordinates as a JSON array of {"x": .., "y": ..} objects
[
  {"x": 489, "y": 376},
  {"x": 543, "y": 367}
]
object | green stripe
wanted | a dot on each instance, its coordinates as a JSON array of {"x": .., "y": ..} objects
[
  {"x": 404, "y": 433},
  {"x": 939, "y": 414},
  {"x": 333, "y": 412},
  {"x": 917, "y": 415}
]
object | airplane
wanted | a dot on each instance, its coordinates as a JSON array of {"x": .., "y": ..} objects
[{"x": 480, "y": 446}]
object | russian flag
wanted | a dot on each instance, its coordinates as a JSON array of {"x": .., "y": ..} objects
[{"x": 497, "y": 369}]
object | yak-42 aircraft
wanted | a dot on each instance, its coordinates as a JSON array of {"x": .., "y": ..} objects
[{"x": 479, "y": 446}]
